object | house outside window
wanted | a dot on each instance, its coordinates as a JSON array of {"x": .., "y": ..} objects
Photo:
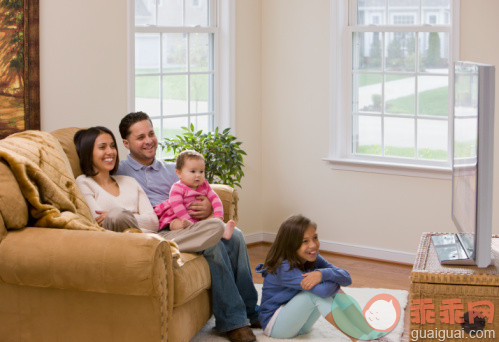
[
  {"x": 398, "y": 75},
  {"x": 181, "y": 64}
]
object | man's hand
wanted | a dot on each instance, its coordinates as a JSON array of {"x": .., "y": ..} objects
[
  {"x": 311, "y": 279},
  {"x": 202, "y": 208}
]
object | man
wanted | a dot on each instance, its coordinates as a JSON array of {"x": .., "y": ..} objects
[{"x": 234, "y": 296}]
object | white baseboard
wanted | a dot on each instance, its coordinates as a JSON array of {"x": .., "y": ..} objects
[{"x": 343, "y": 248}]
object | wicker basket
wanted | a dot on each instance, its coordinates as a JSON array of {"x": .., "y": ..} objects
[{"x": 441, "y": 285}]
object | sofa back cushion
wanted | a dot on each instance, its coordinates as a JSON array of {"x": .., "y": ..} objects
[
  {"x": 65, "y": 137},
  {"x": 13, "y": 207}
]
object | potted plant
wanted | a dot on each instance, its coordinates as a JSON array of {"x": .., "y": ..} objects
[{"x": 222, "y": 153}]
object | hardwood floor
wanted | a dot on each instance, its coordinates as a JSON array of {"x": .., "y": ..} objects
[{"x": 364, "y": 272}]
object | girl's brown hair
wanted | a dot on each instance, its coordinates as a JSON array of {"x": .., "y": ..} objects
[
  {"x": 187, "y": 154},
  {"x": 289, "y": 238}
]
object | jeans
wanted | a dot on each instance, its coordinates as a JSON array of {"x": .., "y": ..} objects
[{"x": 234, "y": 296}]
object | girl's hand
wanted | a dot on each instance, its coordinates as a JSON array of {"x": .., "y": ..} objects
[
  {"x": 101, "y": 217},
  {"x": 310, "y": 279}
]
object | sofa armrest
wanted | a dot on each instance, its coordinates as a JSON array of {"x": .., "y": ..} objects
[
  {"x": 230, "y": 198},
  {"x": 105, "y": 262}
]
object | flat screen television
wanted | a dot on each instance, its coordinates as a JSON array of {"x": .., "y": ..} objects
[{"x": 472, "y": 167}]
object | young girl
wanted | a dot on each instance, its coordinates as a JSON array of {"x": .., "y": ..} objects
[
  {"x": 173, "y": 212},
  {"x": 299, "y": 285}
]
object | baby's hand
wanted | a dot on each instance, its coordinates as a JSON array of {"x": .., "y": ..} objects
[{"x": 310, "y": 279}]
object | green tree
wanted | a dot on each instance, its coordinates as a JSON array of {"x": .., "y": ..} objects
[
  {"x": 433, "y": 58},
  {"x": 375, "y": 52}
]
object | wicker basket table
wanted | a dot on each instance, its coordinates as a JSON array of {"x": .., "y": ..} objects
[{"x": 441, "y": 294}]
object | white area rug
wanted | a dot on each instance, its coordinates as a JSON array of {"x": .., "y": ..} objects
[{"x": 322, "y": 330}]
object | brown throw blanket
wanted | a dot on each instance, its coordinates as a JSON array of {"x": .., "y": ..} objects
[{"x": 42, "y": 170}]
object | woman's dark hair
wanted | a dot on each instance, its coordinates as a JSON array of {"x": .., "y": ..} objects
[
  {"x": 84, "y": 141},
  {"x": 287, "y": 242}
]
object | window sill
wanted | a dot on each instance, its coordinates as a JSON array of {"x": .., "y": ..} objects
[{"x": 390, "y": 168}]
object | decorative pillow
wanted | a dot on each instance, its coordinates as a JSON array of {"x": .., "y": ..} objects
[{"x": 13, "y": 207}]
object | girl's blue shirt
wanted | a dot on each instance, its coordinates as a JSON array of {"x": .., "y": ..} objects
[{"x": 280, "y": 287}]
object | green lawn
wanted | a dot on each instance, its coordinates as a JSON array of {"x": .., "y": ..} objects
[
  {"x": 174, "y": 86},
  {"x": 368, "y": 79},
  {"x": 431, "y": 102},
  {"x": 405, "y": 152}
]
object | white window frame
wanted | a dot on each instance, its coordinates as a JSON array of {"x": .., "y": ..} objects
[
  {"x": 340, "y": 156},
  {"x": 224, "y": 14}
]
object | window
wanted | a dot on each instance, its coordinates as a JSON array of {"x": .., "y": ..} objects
[
  {"x": 182, "y": 63},
  {"x": 396, "y": 111}
]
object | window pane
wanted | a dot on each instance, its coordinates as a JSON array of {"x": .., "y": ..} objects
[
  {"x": 170, "y": 13},
  {"x": 200, "y": 52},
  {"x": 203, "y": 122},
  {"x": 434, "y": 51},
  {"x": 172, "y": 126},
  {"x": 201, "y": 93},
  {"x": 196, "y": 13},
  {"x": 433, "y": 95},
  {"x": 366, "y": 135},
  {"x": 400, "y": 94},
  {"x": 175, "y": 95},
  {"x": 400, "y": 51},
  {"x": 435, "y": 13},
  {"x": 367, "y": 51},
  {"x": 147, "y": 94},
  {"x": 174, "y": 52},
  {"x": 403, "y": 12},
  {"x": 399, "y": 137},
  {"x": 371, "y": 12},
  {"x": 432, "y": 139},
  {"x": 145, "y": 12},
  {"x": 367, "y": 93},
  {"x": 146, "y": 53}
]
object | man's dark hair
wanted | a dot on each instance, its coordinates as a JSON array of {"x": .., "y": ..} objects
[
  {"x": 129, "y": 120},
  {"x": 84, "y": 141}
]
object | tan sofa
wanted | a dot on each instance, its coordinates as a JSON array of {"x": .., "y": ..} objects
[{"x": 77, "y": 285}]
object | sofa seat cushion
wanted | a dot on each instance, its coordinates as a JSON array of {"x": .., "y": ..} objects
[{"x": 191, "y": 277}]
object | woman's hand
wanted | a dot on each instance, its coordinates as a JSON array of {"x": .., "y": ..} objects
[
  {"x": 310, "y": 279},
  {"x": 202, "y": 208},
  {"x": 101, "y": 217}
]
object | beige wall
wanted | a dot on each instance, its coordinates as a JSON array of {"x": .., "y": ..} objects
[
  {"x": 282, "y": 90},
  {"x": 83, "y": 70},
  {"x": 248, "y": 111}
]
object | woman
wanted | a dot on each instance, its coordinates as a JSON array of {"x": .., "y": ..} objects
[{"x": 117, "y": 202}]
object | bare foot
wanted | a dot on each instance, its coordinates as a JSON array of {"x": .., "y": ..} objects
[
  {"x": 229, "y": 229},
  {"x": 178, "y": 224}
]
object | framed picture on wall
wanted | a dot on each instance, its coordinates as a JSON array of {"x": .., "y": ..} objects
[{"x": 19, "y": 66}]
